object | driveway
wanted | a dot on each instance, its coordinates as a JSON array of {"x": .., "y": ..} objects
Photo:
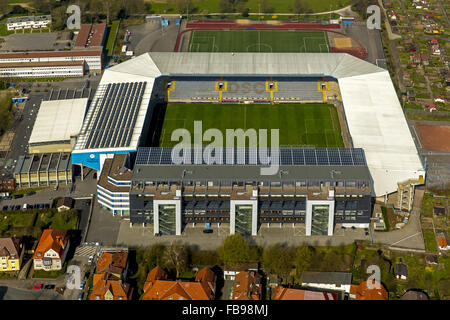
[{"x": 9, "y": 293}]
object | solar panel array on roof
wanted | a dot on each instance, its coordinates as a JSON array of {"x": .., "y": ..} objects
[
  {"x": 119, "y": 107},
  {"x": 289, "y": 156}
]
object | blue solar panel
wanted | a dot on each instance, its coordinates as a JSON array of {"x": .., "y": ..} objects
[
  {"x": 116, "y": 116},
  {"x": 287, "y": 156}
]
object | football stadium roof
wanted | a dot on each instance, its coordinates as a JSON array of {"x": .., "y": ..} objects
[
  {"x": 58, "y": 120},
  {"x": 375, "y": 118}
]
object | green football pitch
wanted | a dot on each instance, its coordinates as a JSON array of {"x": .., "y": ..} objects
[
  {"x": 299, "y": 124},
  {"x": 258, "y": 41}
]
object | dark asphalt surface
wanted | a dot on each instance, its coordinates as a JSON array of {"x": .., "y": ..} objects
[{"x": 8, "y": 293}]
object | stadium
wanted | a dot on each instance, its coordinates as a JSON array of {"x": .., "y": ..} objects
[{"x": 343, "y": 140}]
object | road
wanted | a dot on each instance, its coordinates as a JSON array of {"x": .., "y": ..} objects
[
  {"x": 10, "y": 293},
  {"x": 443, "y": 11}
]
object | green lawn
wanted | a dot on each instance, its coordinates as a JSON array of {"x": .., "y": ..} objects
[
  {"x": 298, "y": 124},
  {"x": 430, "y": 240},
  {"x": 258, "y": 41},
  {"x": 112, "y": 37},
  {"x": 279, "y": 6},
  {"x": 50, "y": 274}
]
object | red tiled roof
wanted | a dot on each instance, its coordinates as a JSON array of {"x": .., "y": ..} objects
[
  {"x": 247, "y": 286},
  {"x": 368, "y": 291},
  {"x": 52, "y": 239},
  {"x": 158, "y": 288},
  {"x": 120, "y": 290},
  {"x": 281, "y": 293},
  {"x": 90, "y": 35}
]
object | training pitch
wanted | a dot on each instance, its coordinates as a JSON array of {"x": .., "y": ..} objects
[
  {"x": 299, "y": 124},
  {"x": 258, "y": 41}
]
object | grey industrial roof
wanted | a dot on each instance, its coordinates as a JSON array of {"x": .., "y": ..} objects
[
  {"x": 250, "y": 173},
  {"x": 373, "y": 112},
  {"x": 327, "y": 277}
]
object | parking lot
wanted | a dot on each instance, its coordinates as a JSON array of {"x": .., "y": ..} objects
[{"x": 137, "y": 235}]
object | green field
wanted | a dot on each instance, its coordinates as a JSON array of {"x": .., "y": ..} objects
[
  {"x": 299, "y": 124},
  {"x": 112, "y": 37},
  {"x": 258, "y": 41},
  {"x": 278, "y": 6}
]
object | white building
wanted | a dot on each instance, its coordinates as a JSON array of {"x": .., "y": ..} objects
[
  {"x": 340, "y": 281},
  {"x": 114, "y": 185},
  {"x": 42, "y": 69},
  {"x": 27, "y": 22},
  {"x": 91, "y": 59},
  {"x": 57, "y": 124}
]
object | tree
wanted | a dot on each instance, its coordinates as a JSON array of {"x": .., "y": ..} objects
[
  {"x": 303, "y": 259},
  {"x": 59, "y": 18},
  {"x": 278, "y": 259},
  {"x": 300, "y": 7},
  {"x": 234, "y": 250},
  {"x": 175, "y": 257},
  {"x": 265, "y": 6},
  {"x": 3, "y": 6},
  {"x": 225, "y": 6},
  {"x": 183, "y": 6}
]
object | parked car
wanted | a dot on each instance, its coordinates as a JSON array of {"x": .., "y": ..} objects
[
  {"x": 37, "y": 286},
  {"x": 30, "y": 193},
  {"x": 49, "y": 286},
  {"x": 8, "y": 198},
  {"x": 86, "y": 275},
  {"x": 80, "y": 296},
  {"x": 17, "y": 207},
  {"x": 82, "y": 284},
  {"x": 5, "y": 208},
  {"x": 11, "y": 207},
  {"x": 207, "y": 230},
  {"x": 47, "y": 206},
  {"x": 25, "y": 207},
  {"x": 17, "y": 196},
  {"x": 41, "y": 206},
  {"x": 91, "y": 258}
]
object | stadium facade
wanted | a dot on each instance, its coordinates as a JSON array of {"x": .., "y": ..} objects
[{"x": 119, "y": 118}]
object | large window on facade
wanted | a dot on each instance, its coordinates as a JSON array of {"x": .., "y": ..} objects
[
  {"x": 167, "y": 213},
  {"x": 319, "y": 223},
  {"x": 243, "y": 224}
]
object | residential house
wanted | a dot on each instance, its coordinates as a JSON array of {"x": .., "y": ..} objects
[
  {"x": 442, "y": 100},
  {"x": 414, "y": 58},
  {"x": 247, "y": 286},
  {"x": 439, "y": 211},
  {"x": 64, "y": 204},
  {"x": 410, "y": 94},
  {"x": 432, "y": 107},
  {"x": 435, "y": 49},
  {"x": 431, "y": 260},
  {"x": 157, "y": 287},
  {"x": 368, "y": 290},
  {"x": 7, "y": 184},
  {"x": 113, "y": 263},
  {"x": 11, "y": 253},
  {"x": 51, "y": 250},
  {"x": 340, "y": 281},
  {"x": 415, "y": 295},
  {"x": 401, "y": 271},
  {"x": 282, "y": 293},
  {"x": 110, "y": 288},
  {"x": 442, "y": 241},
  {"x": 229, "y": 272},
  {"x": 392, "y": 15},
  {"x": 425, "y": 59}
]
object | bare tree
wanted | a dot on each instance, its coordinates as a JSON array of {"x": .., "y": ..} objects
[{"x": 175, "y": 256}]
